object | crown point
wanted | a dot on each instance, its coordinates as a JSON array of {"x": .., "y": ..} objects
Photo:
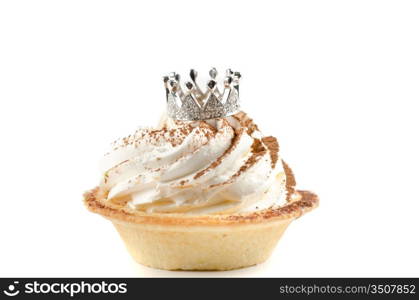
[
  {"x": 173, "y": 86},
  {"x": 193, "y": 74},
  {"x": 213, "y": 73},
  {"x": 228, "y": 80}
]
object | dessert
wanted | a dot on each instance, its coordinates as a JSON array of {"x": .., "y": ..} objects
[{"x": 204, "y": 190}]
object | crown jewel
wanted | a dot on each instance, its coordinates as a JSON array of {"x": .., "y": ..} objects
[{"x": 190, "y": 103}]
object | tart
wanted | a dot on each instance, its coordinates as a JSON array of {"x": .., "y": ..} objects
[
  {"x": 204, "y": 242},
  {"x": 204, "y": 190}
]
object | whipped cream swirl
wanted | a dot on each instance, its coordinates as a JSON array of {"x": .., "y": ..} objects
[{"x": 195, "y": 167}]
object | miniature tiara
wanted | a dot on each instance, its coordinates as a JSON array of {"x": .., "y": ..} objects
[{"x": 190, "y": 103}]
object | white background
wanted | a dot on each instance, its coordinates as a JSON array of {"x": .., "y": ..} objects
[{"x": 335, "y": 81}]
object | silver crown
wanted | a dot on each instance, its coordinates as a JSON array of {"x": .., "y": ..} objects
[{"x": 190, "y": 103}]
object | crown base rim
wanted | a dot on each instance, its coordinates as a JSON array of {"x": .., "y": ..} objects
[{"x": 202, "y": 118}]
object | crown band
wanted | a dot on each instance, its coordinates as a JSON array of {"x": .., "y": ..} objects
[{"x": 190, "y": 103}]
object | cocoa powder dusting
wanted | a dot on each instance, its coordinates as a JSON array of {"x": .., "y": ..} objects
[
  {"x": 218, "y": 161},
  {"x": 246, "y": 122},
  {"x": 182, "y": 182},
  {"x": 272, "y": 144},
  {"x": 257, "y": 150},
  {"x": 174, "y": 136},
  {"x": 290, "y": 180}
]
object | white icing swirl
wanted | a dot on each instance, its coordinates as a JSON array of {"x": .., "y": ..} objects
[{"x": 216, "y": 166}]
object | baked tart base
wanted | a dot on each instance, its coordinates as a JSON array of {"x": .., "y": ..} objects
[{"x": 173, "y": 241}]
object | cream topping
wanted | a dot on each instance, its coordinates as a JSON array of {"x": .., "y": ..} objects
[{"x": 215, "y": 166}]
